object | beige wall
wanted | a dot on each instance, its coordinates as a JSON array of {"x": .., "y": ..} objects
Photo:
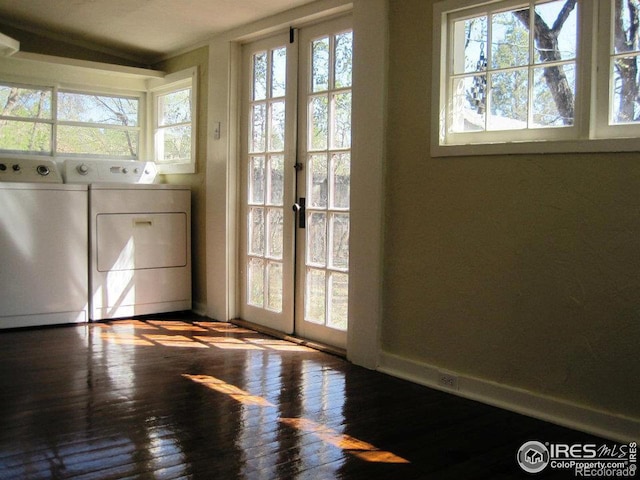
[
  {"x": 521, "y": 270},
  {"x": 199, "y": 58}
]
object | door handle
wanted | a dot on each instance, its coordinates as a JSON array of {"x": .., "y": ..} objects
[{"x": 299, "y": 209}]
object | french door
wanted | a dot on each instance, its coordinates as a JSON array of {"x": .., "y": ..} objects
[{"x": 295, "y": 188}]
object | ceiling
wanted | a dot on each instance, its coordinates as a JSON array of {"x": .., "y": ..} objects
[{"x": 144, "y": 30}]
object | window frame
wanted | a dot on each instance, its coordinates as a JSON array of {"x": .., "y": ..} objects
[
  {"x": 591, "y": 131},
  {"x": 70, "y": 123},
  {"x": 55, "y": 122},
  {"x": 51, "y": 121},
  {"x": 174, "y": 82}
]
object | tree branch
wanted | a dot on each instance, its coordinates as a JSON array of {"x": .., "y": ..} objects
[
  {"x": 633, "y": 28},
  {"x": 563, "y": 16},
  {"x": 546, "y": 40},
  {"x": 619, "y": 38},
  {"x": 120, "y": 116}
]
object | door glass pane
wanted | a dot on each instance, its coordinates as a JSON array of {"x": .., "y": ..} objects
[
  {"x": 318, "y": 122},
  {"x": 260, "y": 76},
  {"x": 341, "y": 132},
  {"x": 340, "y": 180},
  {"x": 256, "y": 180},
  {"x": 320, "y": 65},
  {"x": 317, "y": 239},
  {"x": 256, "y": 231},
  {"x": 278, "y": 72},
  {"x": 317, "y": 169},
  {"x": 315, "y": 296},
  {"x": 255, "y": 282},
  {"x": 276, "y": 179},
  {"x": 343, "y": 59},
  {"x": 339, "y": 304},
  {"x": 258, "y": 128},
  {"x": 276, "y": 136},
  {"x": 274, "y": 286},
  {"x": 340, "y": 240},
  {"x": 276, "y": 220}
]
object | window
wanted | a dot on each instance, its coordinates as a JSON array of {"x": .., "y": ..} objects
[
  {"x": 97, "y": 125},
  {"x": 517, "y": 72},
  {"x": 81, "y": 123},
  {"x": 174, "y": 121},
  {"x": 26, "y": 119},
  {"x": 140, "y": 118}
]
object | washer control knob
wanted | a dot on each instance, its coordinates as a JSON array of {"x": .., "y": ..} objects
[
  {"x": 43, "y": 170},
  {"x": 82, "y": 169},
  {"x": 125, "y": 170},
  {"x": 136, "y": 171},
  {"x": 3, "y": 167},
  {"x": 16, "y": 167}
]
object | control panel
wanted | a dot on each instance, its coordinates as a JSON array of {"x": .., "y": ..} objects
[
  {"x": 108, "y": 171},
  {"x": 29, "y": 170}
]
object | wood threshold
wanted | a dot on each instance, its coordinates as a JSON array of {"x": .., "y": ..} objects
[{"x": 322, "y": 347}]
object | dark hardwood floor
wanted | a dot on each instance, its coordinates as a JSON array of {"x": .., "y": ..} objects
[{"x": 179, "y": 398}]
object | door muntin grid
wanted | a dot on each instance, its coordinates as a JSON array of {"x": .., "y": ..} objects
[
  {"x": 265, "y": 167},
  {"x": 328, "y": 181}
]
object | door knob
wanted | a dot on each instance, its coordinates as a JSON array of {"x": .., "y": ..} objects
[{"x": 299, "y": 210}]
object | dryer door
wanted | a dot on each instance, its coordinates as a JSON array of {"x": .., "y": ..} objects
[{"x": 141, "y": 241}]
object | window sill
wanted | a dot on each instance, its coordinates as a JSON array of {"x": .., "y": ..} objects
[
  {"x": 175, "y": 168},
  {"x": 537, "y": 147}
]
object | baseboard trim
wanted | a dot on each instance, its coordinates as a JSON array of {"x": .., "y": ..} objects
[
  {"x": 603, "y": 424},
  {"x": 199, "y": 309}
]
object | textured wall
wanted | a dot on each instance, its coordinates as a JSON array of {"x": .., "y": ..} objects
[
  {"x": 517, "y": 269},
  {"x": 199, "y": 58}
]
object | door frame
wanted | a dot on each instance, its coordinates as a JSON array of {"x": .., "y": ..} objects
[{"x": 370, "y": 26}]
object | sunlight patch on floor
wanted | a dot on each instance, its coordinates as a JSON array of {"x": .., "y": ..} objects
[
  {"x": 353, "y": 446},
  {"x": 349, "y": 444}
]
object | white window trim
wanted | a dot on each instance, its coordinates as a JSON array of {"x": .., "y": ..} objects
[
  {"x": 55, "y": 122},
  {"x": 173, "y": 82},
  {"x": 88, "y": 91},
  {"x": 591, "y": 132}
]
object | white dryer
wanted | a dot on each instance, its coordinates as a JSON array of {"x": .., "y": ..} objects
[
  {"x": 139, "y": 240},
  {"x": 43, "y": 246}
]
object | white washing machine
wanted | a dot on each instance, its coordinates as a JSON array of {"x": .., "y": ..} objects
[
  {"x": 139, "y": 239},
  {"x": 43, "y": 246}
]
